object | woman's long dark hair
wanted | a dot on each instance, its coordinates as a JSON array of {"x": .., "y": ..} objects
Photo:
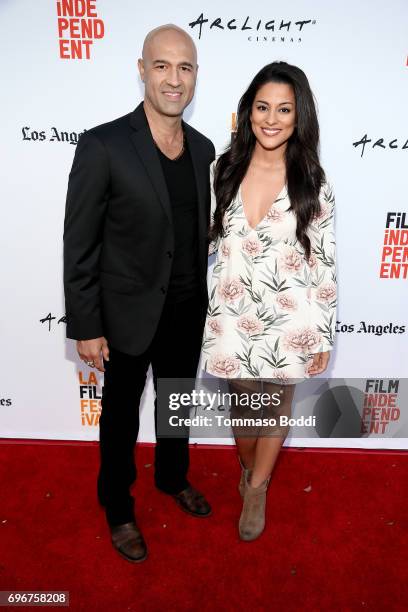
[{"x": 304, "y": 175}]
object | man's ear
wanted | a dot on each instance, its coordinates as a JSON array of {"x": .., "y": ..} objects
[{"x": 140, "y": 65}]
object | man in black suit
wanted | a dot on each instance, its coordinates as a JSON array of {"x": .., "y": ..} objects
[{"x": 135, "y": 265}]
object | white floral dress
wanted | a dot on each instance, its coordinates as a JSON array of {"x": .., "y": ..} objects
[{"x": 269, "y": 309}]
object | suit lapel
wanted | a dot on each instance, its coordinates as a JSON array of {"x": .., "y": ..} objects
[{"x": 146, "y": 150}]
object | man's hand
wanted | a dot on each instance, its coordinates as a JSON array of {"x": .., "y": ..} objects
[
  {"x": 319, "y": 364},
  {"x": 90, "y": 350}
]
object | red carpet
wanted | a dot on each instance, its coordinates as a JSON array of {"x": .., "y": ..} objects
[{"x": 336, "y": 536}]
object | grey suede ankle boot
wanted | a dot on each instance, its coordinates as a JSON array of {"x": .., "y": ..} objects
[{"x": 252, "y": 519}]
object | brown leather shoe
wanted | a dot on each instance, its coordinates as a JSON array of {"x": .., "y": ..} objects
[
  {"x": 192, "y": 501},
  {"x": 129, "y": 542}
]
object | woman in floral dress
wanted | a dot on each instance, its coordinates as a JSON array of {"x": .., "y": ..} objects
[{"x": 272, "y": 309}]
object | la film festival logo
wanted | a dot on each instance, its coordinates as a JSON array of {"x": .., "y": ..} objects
[
  {"x": 90, "y": 394},
  {"x": 78, "y": 27},
  {"x": 380, "y": 405},
  {"x": 394, "y": 256},
  {"x": 255, "y": 29}
]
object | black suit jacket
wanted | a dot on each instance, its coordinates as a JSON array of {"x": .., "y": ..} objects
[{"x": 118, "y": 233}]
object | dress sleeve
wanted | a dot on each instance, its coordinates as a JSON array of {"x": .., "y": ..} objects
[
  {"x": 323, "y": 271},
  {"x": 214, "y": 244}
]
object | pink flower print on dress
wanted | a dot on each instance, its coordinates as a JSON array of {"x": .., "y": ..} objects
[
  {"x": 312, "y": 261},
  {"x": 231, "y": 290},
  {"x": 286, "y": 301},
  {"x": 225, "y": 249},
  {"x": 281, "y": 375},
  {"x": 302, "y": 340},
  {"x": 215, "y": 326},
  {"x": 252, "y": 246},
  {"x": 274, "y": 215},
  {"x": 224, "y": 365},
  {"x": 326, "y": 293},
  {"x": 250, "y": 325},
  {"x": 291, "y": 260}
]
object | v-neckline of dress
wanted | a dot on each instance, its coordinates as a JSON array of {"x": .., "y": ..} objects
[{"x": 266, "y": 214}]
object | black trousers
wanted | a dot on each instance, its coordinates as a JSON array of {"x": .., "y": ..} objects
[{"x": 173, "y": 353}]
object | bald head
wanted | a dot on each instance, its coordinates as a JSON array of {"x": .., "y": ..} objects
[
  {"x": 168, "y": 68},
  {"x": 170, "y": 34}
]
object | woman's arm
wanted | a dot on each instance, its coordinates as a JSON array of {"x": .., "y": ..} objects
[{"x": 323, "y": 265}]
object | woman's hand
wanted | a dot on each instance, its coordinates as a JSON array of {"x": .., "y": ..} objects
[{"x": 319, "y": 364}]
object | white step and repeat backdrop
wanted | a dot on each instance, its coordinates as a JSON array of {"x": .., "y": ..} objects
[{"x": 62, "y": 74}]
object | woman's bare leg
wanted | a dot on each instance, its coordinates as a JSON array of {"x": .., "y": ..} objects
[
  {"x": 259, "y": 451},
  {"x": 266, "y": 453},
  {"x": 245, "y": 437},
  {"x": 246, "y": 448},
  {"x": 269, "y": 442}
]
